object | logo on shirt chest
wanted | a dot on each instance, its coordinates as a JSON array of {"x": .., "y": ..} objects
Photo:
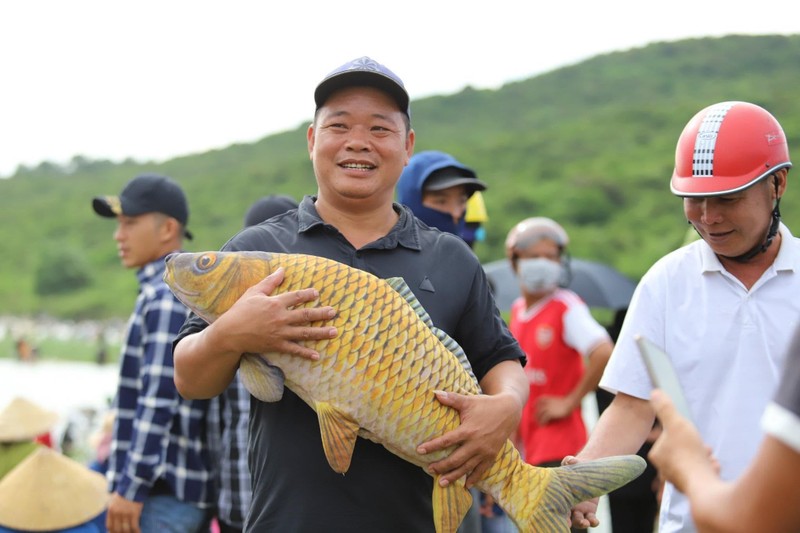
[
  {"x": 544, "y": 336},
  {"x": 536, "y": 376}
]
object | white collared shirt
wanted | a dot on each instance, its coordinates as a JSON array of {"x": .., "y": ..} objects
[{"x": 728, "y": 346}]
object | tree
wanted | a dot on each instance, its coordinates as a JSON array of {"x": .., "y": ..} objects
[{"x": 61, "y": 270}]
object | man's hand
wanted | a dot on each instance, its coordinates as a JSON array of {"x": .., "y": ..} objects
[
  {"x": 584, "y": 514},
  {"x": 205, "y": 362},
  {"x": 622, "y": 429},
  {"x": 123, "y": 515},
  {"x": 261, "y": 323},
  {"x": 550, "y": 408},
  {"x": 486, "y": 423}
]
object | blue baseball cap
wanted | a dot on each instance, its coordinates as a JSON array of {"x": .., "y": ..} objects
[{"x": 364, "y": 71}]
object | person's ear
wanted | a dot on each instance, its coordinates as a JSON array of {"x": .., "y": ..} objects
[
  {"x": 171, "y": 229},
  {"x": 780, "y": 182}
]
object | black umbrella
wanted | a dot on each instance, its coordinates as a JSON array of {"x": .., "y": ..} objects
[{"x": 598, "y": 284}]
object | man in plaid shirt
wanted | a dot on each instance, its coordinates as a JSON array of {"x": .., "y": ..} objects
[
  {"x": 235, "y": 488},
  {"x": 161, "y": 469}
]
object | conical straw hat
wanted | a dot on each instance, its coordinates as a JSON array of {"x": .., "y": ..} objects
[
  {"x": 24, "y": 420},
  {"x": 49, "y": 491},
  {"x": 13, "y": 453}
]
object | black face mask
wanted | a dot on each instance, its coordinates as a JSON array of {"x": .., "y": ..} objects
[{"x": 439, "y": 219}]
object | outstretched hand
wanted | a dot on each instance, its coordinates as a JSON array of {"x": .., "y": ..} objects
[{"x": 584, "y": 514}]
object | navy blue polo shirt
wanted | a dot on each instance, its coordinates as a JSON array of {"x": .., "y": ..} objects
[{"x": 294, "y": 487}]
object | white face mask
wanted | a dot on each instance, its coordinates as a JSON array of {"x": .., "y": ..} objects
[{"x": 538, "y": 274}]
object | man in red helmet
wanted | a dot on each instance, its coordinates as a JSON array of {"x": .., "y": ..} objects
[{"x": 722, "y": 307}]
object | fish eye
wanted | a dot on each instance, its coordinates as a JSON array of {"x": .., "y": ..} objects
[{"x": 206, "y": 261}]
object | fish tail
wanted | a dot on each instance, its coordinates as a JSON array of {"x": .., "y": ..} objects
[{"x": 544, "y": 499}]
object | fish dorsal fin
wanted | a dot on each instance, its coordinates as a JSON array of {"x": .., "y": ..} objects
[
  {"x": 456, "y": 350},
  {"x": 261, "y": 379},
  {"x": 402, "y": 288},
  {"x": 339, "y": 433}
]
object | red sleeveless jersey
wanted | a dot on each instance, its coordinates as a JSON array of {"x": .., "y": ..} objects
[{"x": 554, "y": 368}]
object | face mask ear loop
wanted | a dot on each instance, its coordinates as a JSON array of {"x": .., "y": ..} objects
[{"x": 566, "y": 269}]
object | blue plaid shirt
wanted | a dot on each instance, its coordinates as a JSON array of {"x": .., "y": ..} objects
[
  {"x": 235, "y": 489},
  {"x": 158, "y": 435}
]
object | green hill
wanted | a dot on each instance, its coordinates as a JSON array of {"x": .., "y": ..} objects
[{"x": 590, "y": 145}]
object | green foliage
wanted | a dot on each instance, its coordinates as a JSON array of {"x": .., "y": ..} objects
[
  {"x": 591, "y": 145},
  {"x": 61, "y": 270}
]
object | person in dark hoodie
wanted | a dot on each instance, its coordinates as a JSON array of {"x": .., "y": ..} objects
[{"x": 437, "y": 187}]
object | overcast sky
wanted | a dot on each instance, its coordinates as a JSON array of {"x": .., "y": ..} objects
[{"x": 155, "y": 79}]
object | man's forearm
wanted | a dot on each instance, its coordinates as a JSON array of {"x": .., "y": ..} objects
[
  {"x": 622, "y": 428},
  {"x": 507, "y": 377},
  {"x": 201, "y": 372}
]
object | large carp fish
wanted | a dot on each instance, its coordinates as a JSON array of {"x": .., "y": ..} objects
[{"x": 377, "y": 379}]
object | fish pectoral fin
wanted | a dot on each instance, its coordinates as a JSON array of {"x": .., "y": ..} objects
[
  {"x": 339, "y": 433},
  {"x": 261, "y": 379},
  {"x": 450, "y": 505}
]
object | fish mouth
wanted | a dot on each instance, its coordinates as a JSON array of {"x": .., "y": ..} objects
[
  {"x": 169, "y": 279},
  {"x": 187, "y": 297},
  {"x": 185, "y": 292}
]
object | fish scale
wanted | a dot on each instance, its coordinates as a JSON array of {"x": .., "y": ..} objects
[
  {"x": 377, "y": 379},
  {"x": 334, "y": 282}
]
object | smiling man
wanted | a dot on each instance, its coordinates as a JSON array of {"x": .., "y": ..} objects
[
  {"x": 722, "y": 307},
  {"x": 359, "y": 142}
]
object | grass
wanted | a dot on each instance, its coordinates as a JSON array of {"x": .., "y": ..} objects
[{"x": 51, "y": 348}]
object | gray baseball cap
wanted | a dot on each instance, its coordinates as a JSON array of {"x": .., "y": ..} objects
[{"x": 368, "y": 72}]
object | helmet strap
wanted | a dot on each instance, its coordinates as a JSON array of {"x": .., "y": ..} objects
[{"x": 773, "y": 230}]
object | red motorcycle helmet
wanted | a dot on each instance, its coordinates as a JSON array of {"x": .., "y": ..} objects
[{"x": 726, "y": 148}]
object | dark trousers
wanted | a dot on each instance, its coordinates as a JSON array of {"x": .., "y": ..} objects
[{"x": 227, "y": 528}]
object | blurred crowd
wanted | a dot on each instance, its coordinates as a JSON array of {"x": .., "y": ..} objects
[{"x": 184, "y": 447}]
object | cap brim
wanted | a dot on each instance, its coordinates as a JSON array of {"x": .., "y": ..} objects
[
  {"x": 111, "y": 207},
  {"x": 107, "y": 206},
  {"x": 362, "y": 79},
  {"x": 472, "y": 184},
  {"x": 689, "y": 187}
]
